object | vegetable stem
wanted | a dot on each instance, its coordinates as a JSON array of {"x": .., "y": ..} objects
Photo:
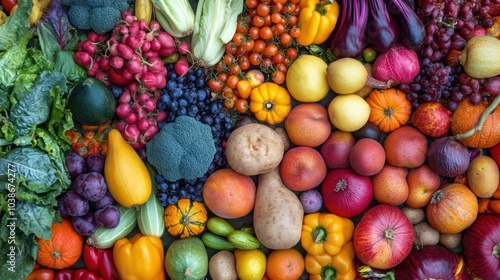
[
  {"x": 481, "y": 121},
  {"x": 496, "y": 251},
  {"x": 319, "y": 234}
]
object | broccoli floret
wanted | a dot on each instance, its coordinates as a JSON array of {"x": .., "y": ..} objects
[
  {"x": 79, "y": 16},
  {"x": 121, "y": 6},
  {"x": 98, "y": 3},
  {"x": 183, "y": 149},
  {"x": 104, "y": 19}
]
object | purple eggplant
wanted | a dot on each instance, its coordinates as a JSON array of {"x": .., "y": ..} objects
[
  {"x": 381, "y": 31},
  {"x": 349, "y": 34},
  {"x": 411, "y": 28}
]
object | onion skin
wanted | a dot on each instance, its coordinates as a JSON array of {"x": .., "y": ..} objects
[
  {"x": 432, "y": 262},
  {"x": 481, "y": 246},
  {"x": 447, "y": 157},
  {"x": 346, "y": 193},
  {"x": 399, "y": 65}
]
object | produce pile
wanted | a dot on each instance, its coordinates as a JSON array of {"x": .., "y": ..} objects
[{"x": 256, "y": 139}]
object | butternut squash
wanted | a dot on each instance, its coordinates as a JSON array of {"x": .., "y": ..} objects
[{"x": 126, "y": 173}]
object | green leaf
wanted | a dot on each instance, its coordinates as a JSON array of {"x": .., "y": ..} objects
[
  {"x": 16, "y": 25},
  {"x": 67, "y": 65},
  {"x": 24, "y": 251}
]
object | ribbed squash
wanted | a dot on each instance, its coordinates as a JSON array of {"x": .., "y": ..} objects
[
  {"x": 126, "y": 173},
  {"x": 390, "y": 108},
  {"x": 185, "y": 218}
]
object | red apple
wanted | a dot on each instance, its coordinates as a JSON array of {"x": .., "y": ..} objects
[
  {"x": 383, "y": 237},
  {"x": 432, "y": 119},
  {"x": 495, "y": 153}
]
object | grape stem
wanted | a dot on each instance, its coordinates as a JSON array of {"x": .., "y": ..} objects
[{"x": 481, "y": 121}]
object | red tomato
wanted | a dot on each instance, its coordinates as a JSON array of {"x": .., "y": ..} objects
[
  {"x": 8, "y": 5},
  {"x": 241, "y": 105}
]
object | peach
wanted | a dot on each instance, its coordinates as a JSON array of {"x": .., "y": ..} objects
[
  {"x": 335, "y": 150},
  {"x": 229, "y": 194},
  {"x": 422, "y": 183},
  {"x": 367, "y": 157},
  {"x": 308, "y": 125},
  {"x": 302, "y": 168},
  {"x": 406, "y": 147},
  {"x": 390, "y": 186}
]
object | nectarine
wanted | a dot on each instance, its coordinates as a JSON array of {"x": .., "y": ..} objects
[
  {"x": 302, "y": 168},
  {"x": 308, "y": 125}
]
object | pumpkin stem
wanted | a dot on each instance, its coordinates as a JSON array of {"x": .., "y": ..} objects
[
  {"x": 341, "y": 185},
  {"x": 481, "y": 121},
  {"x": 496, "y": 251},
  {"x": 268, "y": 106},
  {"x": 437, "y": 196},
  {"x": 55, "y": 254},
  {"x": 388, "y": 111}
]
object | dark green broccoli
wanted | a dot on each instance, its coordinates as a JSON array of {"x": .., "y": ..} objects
[
  {"x": 98, "y": 15},
  {"x": 183, "y": 149}
]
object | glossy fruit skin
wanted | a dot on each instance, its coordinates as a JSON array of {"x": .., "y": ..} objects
[
  {"x": 481, "y": 245},
  {"x": 8, "y": 5},
  {"x": 432, "y": 262},
  {"x": 383, "y": 237},
  {"x": 390, "y": 108}
]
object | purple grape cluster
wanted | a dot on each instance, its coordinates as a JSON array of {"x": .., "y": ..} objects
[
  {"x": 449, "y": 24},
  {"x": 88, "y": 202}
]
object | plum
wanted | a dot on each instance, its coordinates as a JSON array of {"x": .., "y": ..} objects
[{"x": 311, "y": 200}]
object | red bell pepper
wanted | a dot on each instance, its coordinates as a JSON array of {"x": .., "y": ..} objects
[
  {"x": 100, "y": 261},
  {"x": 78, "y": 274},
  {"x": 41, "y": 274}
]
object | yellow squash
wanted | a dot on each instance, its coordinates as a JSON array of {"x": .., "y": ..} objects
[
  {"x": 270, "y": 102},
  {"x": 126, "y": 173},
  {"x": 143, "y": 9}
]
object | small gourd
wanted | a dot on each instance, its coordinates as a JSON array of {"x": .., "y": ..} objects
[
  {"x": 126, "y": 174},
  {"x": 390, "y": 108},
  {"x": 186, "y": 259},
  {"x": 186, "y": 218}
]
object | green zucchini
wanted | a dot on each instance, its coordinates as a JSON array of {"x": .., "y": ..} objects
[
  {"x": 243, "y": 240},
  {"x": 104, "y": 238},
  {"x": 219, "y": 226},
  {"x": 216, "y": 242},
  {"x": 150, "y": 215}
]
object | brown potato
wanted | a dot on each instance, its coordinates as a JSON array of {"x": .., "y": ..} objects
[
  {"x": 415, "y": 215},
  {"x": 450, "y": 241},
  {"x": 222, "y": 266},
  {"x": 254, "y": 149},
  {"x": 483, "y": 176},
  {"x": 425, "y": 235}
]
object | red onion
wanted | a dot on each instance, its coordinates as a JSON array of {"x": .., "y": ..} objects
[
  {"x": 447, "y": 157},
  {"x": 481, "y": 245},
  {"x": 346, "y": 193},
  {"x": 399, "y": 65}
]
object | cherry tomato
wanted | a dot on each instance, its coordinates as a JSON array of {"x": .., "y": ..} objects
[
  {"x": 281, "y": 67},
  {"x": 278, "y": 29},
  {"x": 258, "y": 21},
  {"x": 241, "y": 105},
  {"x": 215, "y": 85},
  {"x": 263, "y": 9},
  {"x": 241, "y": 27},
  {"x": 288, "y": 8},
  {"x": 276, "y": 17},
  {"x": 227, "y": 92},
  {"x": 232, "y": 81},
  {"x": 244, "y": 88},
  {"x": 278, "y": 77},
  {"x": 251, "y": 3},
  {"x": 228, "y": 59},
  {"x": 265, "y": 33},
  {"x": 294, "y": 32},
  {"x": 292, "y": 20},
  {"x": 292, "y": 53},
  {"x": 259, "y": 46},
  {"x": 294, "y": 1},
  {"x": 254, "y": 32},
  {"x": 267, "y": 20},
  {"x": 243, "y": 62},
  {"x": 238, "y": 39},
  {"x": 231, "y": 48},
  {"x": 280, "y": 1},
  {"x": 8, "y": 5},
  {"x": 277, "y": 7},
  {"x": 248, "y": 45},
  {"x": 369, "y": 55},
  {"x": 271, "y": 50},
  {"x": 221, "y": 66},
  {"x": 285, "y": 39},
  {"x": 255, "y": 58},
  {"x": 222, "y": 76},
  {"x": 279, "y": 57},
  {"x": 266, "y": 64}
]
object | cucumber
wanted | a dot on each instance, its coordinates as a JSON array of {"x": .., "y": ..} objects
[
  {"x": 216, "y": 242},
  {"x": 243, "y": 240},
  {"x": 150, "y": 214},
  {"x": 104, "y": 238},
  {"x": 219, "y": 226}
]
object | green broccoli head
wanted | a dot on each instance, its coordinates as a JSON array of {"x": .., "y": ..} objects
[
  {"x": 103, "y": 19},
  {"x": 183, "y": 149},
  {"x": 79, "y": 16}
]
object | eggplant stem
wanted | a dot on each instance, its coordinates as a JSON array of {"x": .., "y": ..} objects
[
  {"x": 481, "y": 121},
  {"x": 496, "y": 251}
]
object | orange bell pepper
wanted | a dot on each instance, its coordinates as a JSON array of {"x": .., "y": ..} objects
[
  {"x": 325, "y": 233},
  {"x": 327, "y": 267},
  {"x": 140, "y": 258}
]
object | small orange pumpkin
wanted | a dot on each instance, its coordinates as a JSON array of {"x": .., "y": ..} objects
[
  {"x": 467, "y": 115},
  {"x": 453, "y": 208},
  {"x": 63, "y": 249},
  {"x": 185, "y": 218},
  {"x": 390, "y": 108}
]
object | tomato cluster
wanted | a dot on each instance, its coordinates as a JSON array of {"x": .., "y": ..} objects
[{"x": 265, "y": 40}]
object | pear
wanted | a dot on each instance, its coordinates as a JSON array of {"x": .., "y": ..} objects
[{"x": 481, "y": 57}]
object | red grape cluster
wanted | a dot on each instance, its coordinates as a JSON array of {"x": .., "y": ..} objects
[
  {"x": 449, "y": 24},
  {"x": 88, "y": 202}
]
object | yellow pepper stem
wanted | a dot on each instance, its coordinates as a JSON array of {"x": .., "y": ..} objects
[
  {"x": 319, "y": 234},
  {"x": 328, "y": 272}
]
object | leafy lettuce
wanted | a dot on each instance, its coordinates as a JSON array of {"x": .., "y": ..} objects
[{"x": 16, "y": 26}]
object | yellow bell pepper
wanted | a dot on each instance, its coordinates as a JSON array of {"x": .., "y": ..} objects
[
  {"x": 325, "y": 233},
  {"x": 140, "y": 258},
  {"x": 317, "y": 19},
  {"x": 270, "y": 102},
  {"x": 327, "y": 267},
  {"x": 3, "y": 17}
]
